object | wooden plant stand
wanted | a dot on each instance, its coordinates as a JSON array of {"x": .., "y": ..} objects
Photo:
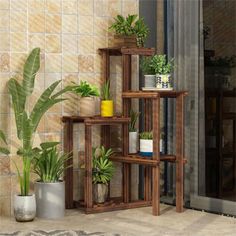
[{"x": 151, "y": 122}]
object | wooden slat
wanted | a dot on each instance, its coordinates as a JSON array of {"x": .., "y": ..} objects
[
  {"x": 153, "y": 94},
  {"x": 118, "y": 51}
]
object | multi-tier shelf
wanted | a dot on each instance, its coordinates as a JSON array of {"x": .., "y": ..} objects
[{"x": 151, "y": 122}]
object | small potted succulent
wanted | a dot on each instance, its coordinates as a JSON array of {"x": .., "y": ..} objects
[
  {"x": 130, "y": 31},
  {"x": 149, "y": 73},
  {"x": 87, "y": 95},
  {"x": 146, "y": 144},
  {"x": 103, "y": 170},
  {"x": 133, "y": 133},
  {"x": 49, "y": 165},
  {"x": 107, "y": 106},
  {"x": 163, "y": 69}
]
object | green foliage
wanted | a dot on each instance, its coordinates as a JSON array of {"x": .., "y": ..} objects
[
  {"x": 146, "y": 67},
  {"x": 84, "y": 89},
  {"x": 134, "y": 117},
  {"x": 105, "y": 93},
  {"x": 103, "y": 168},
  {"x": 3, "y": 150},
  {"x": 131, "y": 25},
  {"x": 161, "y": 65},
  {"x": 146, "y": 135},
  {"x": 49, "y": 164},
  {"x": 26, "y": 121}
]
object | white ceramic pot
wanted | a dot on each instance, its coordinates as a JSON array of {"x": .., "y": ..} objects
[
  {"x": 100, "y": 193},
  {"x": 149, "y": 81},
  {"x": 133, "y": 142},
  {"x": 24, "y": 208},
  {"x": 146, "y": 147},
  {"x": 50, "y": 199},
  {"x": 164, "y": 82},
  {"x": 87, "y": 106}
]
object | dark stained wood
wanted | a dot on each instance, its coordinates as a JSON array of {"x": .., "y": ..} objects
[
  {"x": 118, "y": 51},
  {"x": 153, "y": 94}
]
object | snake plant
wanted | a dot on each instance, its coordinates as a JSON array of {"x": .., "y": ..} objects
[{"x": 28, "y": 120}]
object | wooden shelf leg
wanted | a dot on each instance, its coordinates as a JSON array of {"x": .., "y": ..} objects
[
  {"x": 179, "y": 153},
  {"x": 88, "y": 188},
  {"x": 68, "y": 148}
]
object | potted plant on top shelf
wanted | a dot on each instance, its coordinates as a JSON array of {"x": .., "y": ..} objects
[
  {"x": 87, "y": 95},
  {"x": 103, "y": 170},
  {"x": 149, "y": 73},
  {"x": 133, "y": 133},
  {"x": 163, "y": 69},
  {"x": 49, "y": 165},
  {"x": 107, "y": 106},
  {"x": 26, "y": 124},
  {"x": 130, "y": 31}
]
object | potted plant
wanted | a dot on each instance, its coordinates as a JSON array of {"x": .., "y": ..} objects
[
  {"x": 26, "y": 124},
  {"x": 49, "y": 165},
  {"x": 87, "y": 94},
  {"x": 146, "y": 144},
  {"x": 149, "y": 73},
  {"x": 129, "y": 31},
  {"x": 103, "y": 170},
  {"x": 107, "y": 109},
  {"x": 163, "y": 69},
  {"x": 133, "y": 133}
]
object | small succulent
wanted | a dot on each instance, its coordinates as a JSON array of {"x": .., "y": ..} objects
[{"x": 146, "y": 135}]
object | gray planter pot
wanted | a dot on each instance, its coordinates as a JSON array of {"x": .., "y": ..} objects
[
  {"x": 24, "y": 208},
  {"x": 100, "y": 193},
  {"x": 50, "y": 200},
  {"x": 149, "y": 81}
]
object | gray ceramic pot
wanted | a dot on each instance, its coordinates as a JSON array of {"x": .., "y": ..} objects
[
  {"x": 50, "y": 200},
  {"x": 149, "y": 81},
  {"x": 24, "y": 208},
  {"x": 100, "y": 192}
]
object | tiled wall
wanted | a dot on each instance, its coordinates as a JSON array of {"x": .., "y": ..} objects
[{"x": 68, "y": 33}]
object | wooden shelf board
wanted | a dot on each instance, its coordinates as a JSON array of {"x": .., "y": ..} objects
[{"x": 118, "y": 51}]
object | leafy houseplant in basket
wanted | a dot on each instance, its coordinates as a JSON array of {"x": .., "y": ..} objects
[
  {"x": 103, "y": 171},
  {"x": 146, "y": 144},
  {"x": 87, "y": 94},
  {"x": 27, "y": 121},
  {"x": 107, "y": 109},
  {"x": 133, "y": 133},
  {"x": 129, "y": 31},
  {"x": 49, "y": 165},
  {"x": 163, "y": 69},
  {"x": 149, "y": 73}
]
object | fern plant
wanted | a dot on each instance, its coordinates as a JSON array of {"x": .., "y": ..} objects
[
  {"x": 103, "y": 168},
  {"x": 3, "y": 150},
  {"x": 28, "y": 121},
  {"x": 105, "y": 92},
  {"x": 84, "y": 89},
  {"x": 133, "y": 117}
]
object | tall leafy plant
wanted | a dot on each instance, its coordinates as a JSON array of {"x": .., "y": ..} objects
[
  {"x": 3, "y": 150},
  {"x": 27, "y": 121}
]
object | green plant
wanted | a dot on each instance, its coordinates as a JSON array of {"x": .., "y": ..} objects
[
  {"x": 49, "y": 163},
  {"x": 103, "y": 168},
  {"x": 146, "y": 66},
  {"x": 84, "y": 89},
  {"x": 27, "y": 121},
  {"x": 161, "y": 65},
  {"x": 3, "y": 150},
  {"x": 146, "y": 135},
  {"x": 105, "y": 91},
  {"x": 223, "y": 61},
  {"x": 134, "y": 117},
  {"x": 131, "y": 25}
]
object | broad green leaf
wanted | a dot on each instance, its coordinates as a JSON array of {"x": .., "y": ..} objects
[
  {"x": 47, "y": 145},
  {"x": 4, "y": 150}
]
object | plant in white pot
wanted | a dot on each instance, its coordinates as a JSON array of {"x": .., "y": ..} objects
[
  {"x": 27, "y": 119},
  {"x": 50, "y": 165},
  {"x": 87, "y": 93},
  {"x": 148, "y": 72},
  {"x": 133, "y": 133},
  {"x": 163, "y": 69},
  {"x": 103, "y": 170},
  {"x": 146, "y": 144}
]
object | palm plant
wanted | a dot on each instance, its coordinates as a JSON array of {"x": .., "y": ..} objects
[
  {"x": 27, "y": 121},
  {"x": 134, "y": 117},
  {"x": 103, "y": 168},
  {"x": 105, "y": 93},
  {"x": 3, "y": 150}
]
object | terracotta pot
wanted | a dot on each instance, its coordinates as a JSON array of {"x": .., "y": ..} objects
[
  {"x": 125, "y": 41},
  {"x": 87, "y": 106},
  {"x": 100, "y": 193}
]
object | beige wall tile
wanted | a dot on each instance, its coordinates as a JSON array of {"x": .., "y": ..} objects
[
  {"x": 53, "y": 123},
  {"x": 114, "y": 7},
  {"x": 53, "y": 43},
  {"x": 130, "y": 7},
  {"x": 18, "y": 4},
  {"x": 18, "y": 42},
  {"x": 69, "y": 63},
  {"x": 53, "y": 23},
  {"x": 86, "y": 63},
  {"x": 86, "y": 25},
  {"x": 69, "y": 43},
  {"x": 4, "y": 41},
  {"x": 53, "y": 6},
  {"x": 4, "y": 62},
  {"x": 5, "y": 182},
  {"x": 99, "y": 42},
  {"x": 85, "y": 44},
  {"x": 4, "y": 4},
  {"x": 4, "y": 20},
  {"x": 85, "y": 7},
  {"x": 100, "y": 26},
  {"x": 4, "y": 77},
  {"x": 36, "y": 40},
  {"x": 18, "y": 21},
  {"x": 5, "y": 103},
  {"x": 4, "y": 165},
  {"x": 69, "y": 6},
  {"x": 38, "y": 5},
  {"x": 101, "y": 8},
  {"x": 53, "y": 63},
  {"x": 36, "y": 22},
  {"x": 17, "y": 61},
  {"x": 69, "y": 24},
  {"x": 5, "y": 206}
]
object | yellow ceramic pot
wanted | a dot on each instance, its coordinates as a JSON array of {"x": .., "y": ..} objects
[{"x": 106, "y": 108}]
